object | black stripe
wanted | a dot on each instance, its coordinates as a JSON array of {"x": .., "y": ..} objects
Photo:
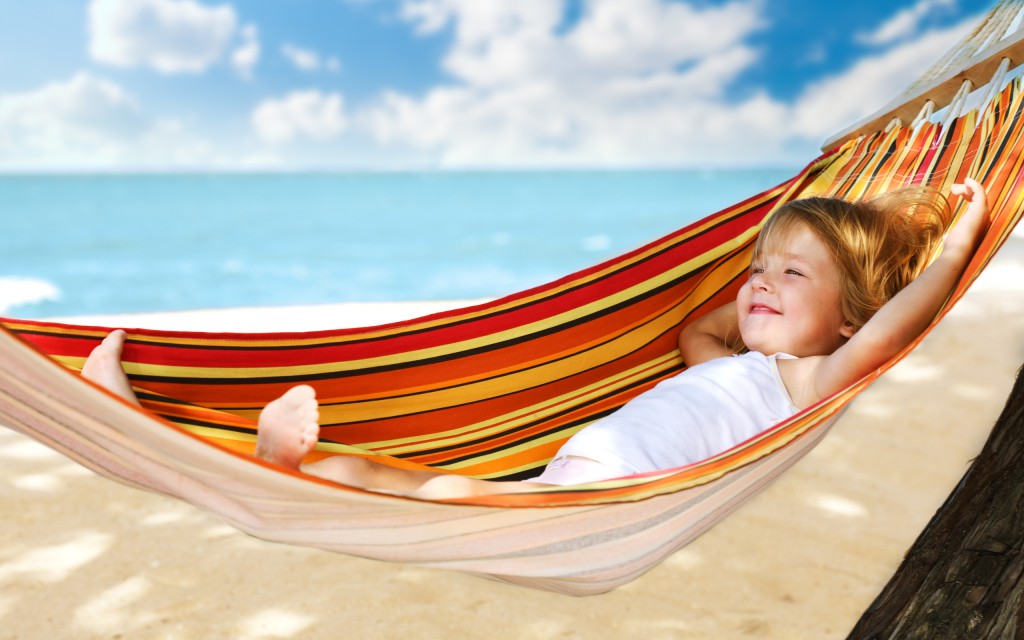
[
  {"x": 413, "y": 330},
  {"x": 216, "y": 426},
  {"x": 533, "y": 424},
  {"x": 313, "y": 377}
]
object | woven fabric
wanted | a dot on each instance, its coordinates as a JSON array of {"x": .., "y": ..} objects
[{"x": 489, "y": 391}]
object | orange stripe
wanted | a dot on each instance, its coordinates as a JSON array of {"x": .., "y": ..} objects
[{"x": 466, "y": 407}]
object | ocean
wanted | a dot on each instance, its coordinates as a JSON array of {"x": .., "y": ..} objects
[{"x": 100, "y": 244}]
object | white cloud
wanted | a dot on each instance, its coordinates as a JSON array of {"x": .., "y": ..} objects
[
  {"x": 84, "y": 118},
  {"x": 90, "y": 122},
  {"x": 627, "y": 83},
  {"x": 904, "y": 24},
  {"x": 641, "y": 83},
  {"x": 169, "y": 143},
  {"x": 498, "y": 42},
  {"x": 245, "y": 57},
  {"x": 308, "y": 114},
  {"x": 833, "y": 103},
  {"x": 303, "y": 59},
  {"x": 306, "y": 60},
  {"x": 171, "y": 36}
]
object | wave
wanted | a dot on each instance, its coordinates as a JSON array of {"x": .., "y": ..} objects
[{"x": 16, "y": 291}]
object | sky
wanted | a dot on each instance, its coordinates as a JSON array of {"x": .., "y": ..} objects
[{"x": 184, "y": 85}]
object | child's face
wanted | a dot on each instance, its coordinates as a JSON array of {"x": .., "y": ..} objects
[{"x": 791, "y": 302}]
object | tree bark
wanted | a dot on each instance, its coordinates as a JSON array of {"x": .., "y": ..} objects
[{"x": 962, "y": 578}]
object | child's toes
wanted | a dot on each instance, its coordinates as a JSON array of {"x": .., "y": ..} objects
[{"x": 300, "y": 394}]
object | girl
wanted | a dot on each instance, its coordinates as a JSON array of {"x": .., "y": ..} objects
[{"x": 835, "y": 289}]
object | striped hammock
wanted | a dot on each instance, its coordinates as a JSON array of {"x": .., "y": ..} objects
[{"x": 489, "y": 391}]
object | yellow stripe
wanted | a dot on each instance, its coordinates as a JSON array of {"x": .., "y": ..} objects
[
  {"x": 530, "y": 413},
  {"x": 243, "y": 373}
]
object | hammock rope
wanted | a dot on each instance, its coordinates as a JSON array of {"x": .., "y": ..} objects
[
  {"x": 998, "y": 36},
  {"x": 489, "y": 391},
  {"x": 999, "y": 23}
]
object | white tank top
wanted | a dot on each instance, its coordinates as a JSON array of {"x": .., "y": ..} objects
[{"x": 703, "y": 411}]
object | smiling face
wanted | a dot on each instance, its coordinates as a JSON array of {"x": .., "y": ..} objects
[{"x": 791, "y": 302}]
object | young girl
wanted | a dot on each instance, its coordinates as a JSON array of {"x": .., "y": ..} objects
[{"x": 835, "y": 289}]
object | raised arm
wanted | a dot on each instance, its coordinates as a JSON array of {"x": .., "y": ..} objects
[
  {"x": 716, "y": 334},
  {"x": 908, "y": 313}
]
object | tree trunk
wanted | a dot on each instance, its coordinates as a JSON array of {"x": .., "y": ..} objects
[{"x": 963, "y": 576}]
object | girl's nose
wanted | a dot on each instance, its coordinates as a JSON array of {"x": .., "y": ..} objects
[{"x": 760, "y": 282}]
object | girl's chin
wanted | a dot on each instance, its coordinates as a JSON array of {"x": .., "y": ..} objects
[
  {"x": 766, "y": 347},
  {"x": 755, "y": 342}
]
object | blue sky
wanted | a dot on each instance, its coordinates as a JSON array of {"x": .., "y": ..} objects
[{"x": 109, "y": 85}]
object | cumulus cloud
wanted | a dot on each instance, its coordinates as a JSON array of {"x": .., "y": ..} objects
[
  {"x": 904, "y": 24},
  {"x": 301, "y": 114},
  {"x": 88, "y": 121},
  {"x": 245, "y": 57},
  {"x": 306, "y": 60},
  {"x": 827, "y": 106},
  {"x": 171, "y": 36},
  {"x": 499, "y": 42},
  {"x": 302, "y": 58},
  {"x": 168, "y": 142},
  {"x": 625, "y": 84},
  {"x": 643, "y": 83},
  {"x": 82, "y": 118}
]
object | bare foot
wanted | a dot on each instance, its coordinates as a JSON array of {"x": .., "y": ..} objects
[
  {"x": 103, "y": 366},
  {"x": 288, "y": 427}
]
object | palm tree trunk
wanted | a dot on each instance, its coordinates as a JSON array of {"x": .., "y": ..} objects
[{"x": 962, "y": 578}]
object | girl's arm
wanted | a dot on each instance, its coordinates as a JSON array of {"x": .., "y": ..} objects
[
  {"x": 908, "y": 313},
  {"x": 716, "y": 334}
]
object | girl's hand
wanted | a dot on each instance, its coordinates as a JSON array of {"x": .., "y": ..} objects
[
  {"x": 716, "y": 334},
  {"x": 965, "y": 233},
  {"x": 908, "y": 313}
]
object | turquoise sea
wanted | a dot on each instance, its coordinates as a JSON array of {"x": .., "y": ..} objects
[{"x": 88, "y": 244}]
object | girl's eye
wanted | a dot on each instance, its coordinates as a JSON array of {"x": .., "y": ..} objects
[
  {"x": 754, "y": 270},
  {"x": 793, "y": 272}
]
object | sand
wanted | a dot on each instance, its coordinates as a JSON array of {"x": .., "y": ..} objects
[{"x": 84, "y": 557}]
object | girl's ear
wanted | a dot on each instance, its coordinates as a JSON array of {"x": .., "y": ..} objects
[{"x": 847, "y": 330}]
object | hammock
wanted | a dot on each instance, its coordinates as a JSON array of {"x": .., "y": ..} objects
[{"x": 489, "y": 391}]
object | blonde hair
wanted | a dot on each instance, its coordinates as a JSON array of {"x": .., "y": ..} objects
[{"x": 879, "y": 244}]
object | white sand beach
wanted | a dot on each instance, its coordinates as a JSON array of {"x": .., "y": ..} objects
[{"x": 84, "y": 557}]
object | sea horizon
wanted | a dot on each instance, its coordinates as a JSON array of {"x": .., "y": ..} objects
[{"x": 106, "y": 243}]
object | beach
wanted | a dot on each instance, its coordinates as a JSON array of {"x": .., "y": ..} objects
[{"x": 85, "y": 557}]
